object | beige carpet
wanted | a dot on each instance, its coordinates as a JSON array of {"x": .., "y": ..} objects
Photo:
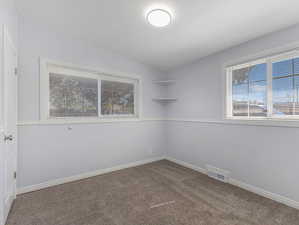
[{"x": 160, "y": 193}]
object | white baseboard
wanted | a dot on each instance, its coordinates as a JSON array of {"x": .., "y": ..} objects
[
  {"x": 188, "y": 165},
  {"x": 59, "y": 181},
  {"x": 267, "y": 194},
  {"x": 248, "y": 187}
]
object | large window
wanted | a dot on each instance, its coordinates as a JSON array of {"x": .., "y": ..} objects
[
  {"x": 266, "y": 88},
  {"x": 73, "y": 93}
]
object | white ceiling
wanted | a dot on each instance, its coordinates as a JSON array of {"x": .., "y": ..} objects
[{"x": 200, "y": 27}]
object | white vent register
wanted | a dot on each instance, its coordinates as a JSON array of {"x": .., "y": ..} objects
[{"x": 218, "y": 174}]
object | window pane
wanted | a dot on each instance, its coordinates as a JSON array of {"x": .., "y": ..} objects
[
  {"x": 117, "y": 98},
  {"x": 258, "y": 98},
  {"x": 240, "y": 76},
  {"x": 296, "y": 66},
  {"x": 283, "y": 96},
  {"x": 240, "y": 92},
  {"x": 72, "y": 96},
  {"x": 297, "y": 95},
  {"x": 283, "y": 68},
  {"x": 258, "y": 72},
  {"x": 249, "y": 84},
  {"x": 240, "y": 100}
]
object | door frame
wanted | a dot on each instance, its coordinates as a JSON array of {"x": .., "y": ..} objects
[{"x": 7, "y": 40}]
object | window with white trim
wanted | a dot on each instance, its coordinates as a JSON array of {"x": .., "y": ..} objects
[
  {"x": 265, "y": 88},
  {"x": 68, "y": 92}
]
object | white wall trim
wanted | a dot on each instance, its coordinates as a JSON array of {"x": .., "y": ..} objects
[
  {"x": 59, "y": 181},
  {"x": 86, "y": 121},
  {"x": 241, "y": 184},
  {"x": 96, "y": 70},
  {"x": 267, "y": 194},
  {"x": 188, "y": 165},
  {"x": 252, "y": 122},
  {"x": 239, "y": 122}
]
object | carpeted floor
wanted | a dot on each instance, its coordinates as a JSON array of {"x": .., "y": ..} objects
[{"x": 160, "y": 193}]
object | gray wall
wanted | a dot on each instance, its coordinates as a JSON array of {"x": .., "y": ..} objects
[
  {"x": 8, "y": 17},
  {"x": 266, "y": 157},
  {"x": 48, "y": 152}
]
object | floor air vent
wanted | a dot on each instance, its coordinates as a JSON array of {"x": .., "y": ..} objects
[{"x": 218, "y": 174}]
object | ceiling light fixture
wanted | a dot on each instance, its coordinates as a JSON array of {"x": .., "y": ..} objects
[{"x": 159, "y": 17}]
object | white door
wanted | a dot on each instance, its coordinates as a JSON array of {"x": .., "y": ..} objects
[{"x": 10, "y": 121}]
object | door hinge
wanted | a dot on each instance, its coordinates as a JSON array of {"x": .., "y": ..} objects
[
  {"x": 15, "y": 175},
  {"x": 16, "y": 71}
]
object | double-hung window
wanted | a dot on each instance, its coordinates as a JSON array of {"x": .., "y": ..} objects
[
  {"x": 68, "y": 92},
  {"x": 264, "y": 89}
]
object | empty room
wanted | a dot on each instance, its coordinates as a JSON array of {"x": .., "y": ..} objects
[{"x": 144, "y": 112}]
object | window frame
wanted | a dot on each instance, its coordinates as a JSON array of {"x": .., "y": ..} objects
[
  {"x": 269, "y": 60},
  {"x": 49, "y": 66}
]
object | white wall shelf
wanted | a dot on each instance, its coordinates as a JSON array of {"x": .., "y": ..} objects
[
  {"x": 164, "y": 82},
  {"x": 165, "y": 100}
]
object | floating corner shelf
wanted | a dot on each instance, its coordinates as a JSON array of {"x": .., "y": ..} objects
[
  {"x": 165, "y": 100},
  {"x": 164, "y": 82}
]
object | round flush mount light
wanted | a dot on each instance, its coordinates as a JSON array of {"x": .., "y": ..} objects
[{"x": 159, "y": 17}]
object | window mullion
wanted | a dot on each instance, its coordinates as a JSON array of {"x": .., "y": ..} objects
[
  {"x": 229, "y": 91},
  {"x": 269, "y": 89},
  {"x": 99, "y": 98},
  {"x": 294, "y": 87},
  {"x": 248, "y": 98},
  {"x": 135, "y": 99}
]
